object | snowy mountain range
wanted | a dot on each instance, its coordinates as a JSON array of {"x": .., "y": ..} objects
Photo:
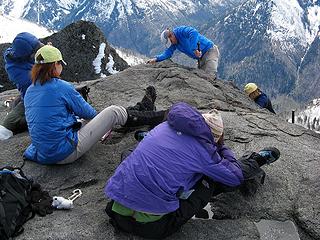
[
  {"x": 132, "y": 24},
  {"x": 266, "y": 41},
  {"x": 272, "y": 43}
]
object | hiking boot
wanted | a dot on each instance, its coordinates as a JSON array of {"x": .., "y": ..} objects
[
  {"x": 147, "y": 102},
  {"x": 140, "y": 118},
  {"x": 269, "y": 154},
  {"x": 203, "y": 214},
  {"x": 151, "y": 93}
]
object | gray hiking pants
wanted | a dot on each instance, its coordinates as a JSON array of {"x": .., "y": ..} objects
[
  {"x": 210, "y": 60},
  {"x": 91, "y": 132}
]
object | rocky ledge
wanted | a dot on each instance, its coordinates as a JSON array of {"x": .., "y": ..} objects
[{"x": 291, "y": 187}]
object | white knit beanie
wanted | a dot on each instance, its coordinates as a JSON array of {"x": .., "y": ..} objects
[{"x": 214, "y": 121}]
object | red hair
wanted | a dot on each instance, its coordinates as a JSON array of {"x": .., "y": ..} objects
[{"x": 42, "y": 72}]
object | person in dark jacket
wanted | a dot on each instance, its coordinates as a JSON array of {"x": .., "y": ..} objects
[
  {"x": 189, "y": 41},
  {"x": 54, "y": 110},
  {"x": 173, "y": 172},
  {"x": 19, "y": 59},
  {"x": 260, "y": 98}
]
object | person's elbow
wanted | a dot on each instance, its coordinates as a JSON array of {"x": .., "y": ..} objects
[{"x": 235, "y": 178}]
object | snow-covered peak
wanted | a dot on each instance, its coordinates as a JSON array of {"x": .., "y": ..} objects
[
  {"x": 123, "y": 8},
  {"x": 131, "y": 57},
  {"x": 288, "y": 21},
  {"x": 287, "y": 24},
  {"x": 17, "y": 9},
  {"x": 314, "y": 20},
  {"x": 11, "y": 26},
  {"x": 68, "y": 4}
]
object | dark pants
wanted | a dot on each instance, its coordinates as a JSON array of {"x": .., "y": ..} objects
[
  {"x": 15, "y": 121},
  {"x": 172, "y": 222}
]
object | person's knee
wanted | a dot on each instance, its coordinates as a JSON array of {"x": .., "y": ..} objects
[{"x": 118, "y": 113}]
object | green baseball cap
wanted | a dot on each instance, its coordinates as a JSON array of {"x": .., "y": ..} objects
[{"x": 50, "y": 54}]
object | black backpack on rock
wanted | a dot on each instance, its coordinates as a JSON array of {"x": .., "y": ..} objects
[
  {"x": 20, "y": 200},
  {"x": 15, "y": 208}
]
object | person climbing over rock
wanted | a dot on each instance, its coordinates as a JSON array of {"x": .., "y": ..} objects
[
  {"x": 172, "y": 173},
  {"x": 189, "y": 41},
  {"x": 53, "y": 107},
  {"x": 260, "y": 98},
  {"x": 19, "y": 59}
]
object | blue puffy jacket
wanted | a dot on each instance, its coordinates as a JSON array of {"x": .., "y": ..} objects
[
  {"x": 188, "y": 39},
  {"x": 263, "y": 101},
  {"x": 19, "y": 61},
  {"x": 51, "y": 111},
  {"x": 169, "y": 160}
]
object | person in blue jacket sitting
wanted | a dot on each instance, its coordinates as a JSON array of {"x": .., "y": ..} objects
[
  {"x": 189, "y": 41},
  {"x": 54, "y": 109},
  {"x": 19, "y": 59},
  {"x": 174, "y": 171},
  {"x": 259, "y": 97}
]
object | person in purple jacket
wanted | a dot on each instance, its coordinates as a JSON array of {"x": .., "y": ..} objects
[{"x": 172, "y": 173}]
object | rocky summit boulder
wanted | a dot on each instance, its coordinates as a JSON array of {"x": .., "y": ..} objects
[
  {"x": 290, "y": 190},
  {"x": 84, "y": 48}
]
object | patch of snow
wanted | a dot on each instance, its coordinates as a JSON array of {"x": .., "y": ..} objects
[
  {"x": 11, "y": 26},
  {"x": 68, "y": 4},
  {"x": 287, "y": 22},
  {"x": 314, "y": 19},
  {"x": 18, "y": 8},
  {"x": 310, "y": 117},
  {"x": 110, "y": 64},
  {"x": 83, "y": 36},
  {"x": 256, "y": 8},
  {"x": 97, "y": 61},
  {"x": 131, "y": 58}
]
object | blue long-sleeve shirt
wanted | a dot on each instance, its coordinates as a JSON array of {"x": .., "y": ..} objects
[{"x": 188, "y": 39}]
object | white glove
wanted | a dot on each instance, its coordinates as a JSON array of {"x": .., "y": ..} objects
[{"x": 62, "y": 203}]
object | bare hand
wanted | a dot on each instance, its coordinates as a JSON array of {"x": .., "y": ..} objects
[
  {"x": 152, "y": 61},
  {"x": 198, "y": 53}
]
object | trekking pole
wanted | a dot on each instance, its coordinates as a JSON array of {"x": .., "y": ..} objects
[
  {"x": 198, "y": 44},
  {"x": 292, "y": 116}
]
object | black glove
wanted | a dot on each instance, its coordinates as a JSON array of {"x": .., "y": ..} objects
[
  {"x": 41, "y": 201},
  {"x": 84, "y": 92}
]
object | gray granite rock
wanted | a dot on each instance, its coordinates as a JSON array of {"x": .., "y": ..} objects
[{"x": 290, "y": 188}]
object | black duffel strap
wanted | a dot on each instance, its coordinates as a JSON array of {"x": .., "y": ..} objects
[{"x": 2, "y": 219}]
